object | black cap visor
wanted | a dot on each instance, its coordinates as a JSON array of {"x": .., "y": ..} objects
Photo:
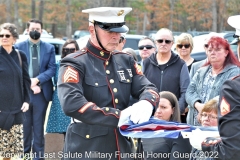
[{"x": 113, "y": 27}]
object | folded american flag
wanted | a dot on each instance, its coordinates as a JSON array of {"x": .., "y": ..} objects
[{"x": 158, "y": 128}]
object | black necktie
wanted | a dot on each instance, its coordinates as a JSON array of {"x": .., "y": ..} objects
[{"x": 35, "y": 66}]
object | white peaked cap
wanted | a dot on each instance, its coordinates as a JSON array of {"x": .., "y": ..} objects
[
  {"x": 107, "y": 14},
  {"x": 234, "y": 21}
]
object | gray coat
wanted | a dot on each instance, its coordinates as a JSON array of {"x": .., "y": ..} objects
[
  {"x": 195, "y": 87},
  {"x": 195, "y": 67}
]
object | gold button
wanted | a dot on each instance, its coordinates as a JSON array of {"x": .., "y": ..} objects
[
  {"x": 102, "y": 53},
  {"x": 153, "y": 96},
  {"x": 152, "y": 100},
  {"x": 107, "y": 71},
  {"x": 128, "y": 80},
  {"x": 116, "y": 112},
  {"x": 115, "y": 90},
  {"x": 106, "y": 62},
  {"x": 116, "y": 100},
  {"x": 96, "y": 84},
  {"x": 107, "y": 109},
  {"x": 111, "y": 81},
  {"x": 87, "y": 136}
]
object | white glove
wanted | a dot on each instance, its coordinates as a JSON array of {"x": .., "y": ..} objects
[
  {"x": 196, "y": 138},
  {"x": 138, "y": 113}
]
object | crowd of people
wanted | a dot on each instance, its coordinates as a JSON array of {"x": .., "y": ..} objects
[{"x": 98, "y": 87}]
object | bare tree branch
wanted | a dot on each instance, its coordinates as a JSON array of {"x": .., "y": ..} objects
[
  {"x": 68, "y": 19},
  {"x": 33, "y": 7},
  {"x": 8, "y": 10},
  {"x": 16, "y": 14},
  {"x": 41, "y": 10}
]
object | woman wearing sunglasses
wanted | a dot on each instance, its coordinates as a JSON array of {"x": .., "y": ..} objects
[
  {"x": 57, "y": 120},
  {"x": 184, "y": 47},
  {"x": 14, "y": 93}
]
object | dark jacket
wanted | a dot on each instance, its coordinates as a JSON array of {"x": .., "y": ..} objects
[
  {"x": 47, "y": 64},
  {"x": 227, "y": 147},
  {"x": 93, "y": 87},
  {"x": 166, "y": 148},
  {"x": 14, "y": 88},
  {"x": 174, "y": 77}
]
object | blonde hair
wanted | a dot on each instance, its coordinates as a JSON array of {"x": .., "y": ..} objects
[
  {"x": 211, "y": 105},
  {"x": 185, "y": 38}
]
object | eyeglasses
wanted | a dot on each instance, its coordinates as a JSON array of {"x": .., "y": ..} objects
[
  {"x": 5, "y": 35},
  {"x": 185, "y": 45},
  {"x": 121, "y": 39},
  {"x": 162, "y": 40},
  {"x": 146, "y": 46},
  {"x": 69, "y": 50},
  {"x": 204, "y": 115}
]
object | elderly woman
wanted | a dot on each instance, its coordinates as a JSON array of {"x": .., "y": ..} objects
[
  {"x": 207, "y": 81},
  {"x": 184, "y": 47},
  {"x": 166, "y": 148},
  {"x": 208, "y": 118},
  {"x": 14, "y": 93}
]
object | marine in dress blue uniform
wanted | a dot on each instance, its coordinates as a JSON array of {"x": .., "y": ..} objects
[{"x": 94, "y": 87}]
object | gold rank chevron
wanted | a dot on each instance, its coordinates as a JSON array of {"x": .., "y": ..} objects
[{"x": 70, "y": 75}]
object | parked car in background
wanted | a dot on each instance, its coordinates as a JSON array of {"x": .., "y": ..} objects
[
  {"x": 44, "y": 34},
  {"x": 80, "y": 33},
  {"x": 132, "y": 41},
  {"x": 198, "y": 51},
  {"x": 57, "y": 43},
  {"x": 82, "y": 42}
]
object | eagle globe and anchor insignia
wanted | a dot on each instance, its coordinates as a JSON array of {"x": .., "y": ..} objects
[{"x": 120, "y": 12}]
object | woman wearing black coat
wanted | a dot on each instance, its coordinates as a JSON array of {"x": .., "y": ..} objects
[{"x": 14, "y": 93}]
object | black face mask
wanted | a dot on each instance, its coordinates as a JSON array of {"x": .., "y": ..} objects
[{"x": 35, "y": 35}]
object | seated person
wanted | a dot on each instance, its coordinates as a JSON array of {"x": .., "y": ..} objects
[
  {"x": 167, "y": 148},
  {"x": 208, "y": 118}
]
